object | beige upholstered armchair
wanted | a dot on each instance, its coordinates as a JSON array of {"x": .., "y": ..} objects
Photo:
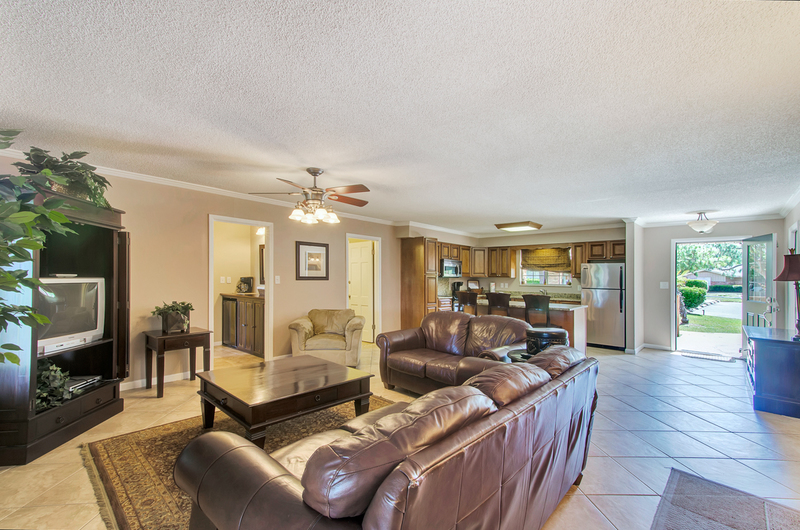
[{"x": 331, "y": 334}]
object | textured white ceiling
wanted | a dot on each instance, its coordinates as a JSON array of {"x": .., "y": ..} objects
[{"x": 456, "y": 114}]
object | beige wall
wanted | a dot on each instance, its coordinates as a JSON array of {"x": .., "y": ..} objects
[
  {"x": 232, "y": 259},
  {"x": 657, "y": 257},
  {"x": 169, "y": 260}
]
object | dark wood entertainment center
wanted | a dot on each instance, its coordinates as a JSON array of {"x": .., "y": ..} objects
[{"x": 99, "y": 249}]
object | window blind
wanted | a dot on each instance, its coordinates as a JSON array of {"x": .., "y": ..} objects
[{"x": 548, "y": 259}]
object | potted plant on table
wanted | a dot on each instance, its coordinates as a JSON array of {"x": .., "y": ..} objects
[{"x": 174, "y": 316}]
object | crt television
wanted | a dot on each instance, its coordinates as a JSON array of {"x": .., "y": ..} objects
[{"x": 76, "y": 309}]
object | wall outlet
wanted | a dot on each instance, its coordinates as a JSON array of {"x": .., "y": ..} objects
[
  {"x": 229, "y": 279},
  {"x": 222, "y": 279},
  {"x": 664, "y": 285},
  {"x": 277, "y": 280}
]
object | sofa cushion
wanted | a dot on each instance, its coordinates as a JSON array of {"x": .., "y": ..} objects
[
  {"x": 446, "y": 331},
  {"x": 326, "y": 341},
  {"x": 443, "y": 370},
  {"x": 368, "y": 418},
  {"x": 295, "y": 456},
  {"x": 412, "y": 362},
  {"x": 509, "y": 382},
  {"x": 330, "y": 320},
  {"x": 557, "y": 359},
  {"x": 490, "y": 331},
  {"x": 341, "y": 477}
]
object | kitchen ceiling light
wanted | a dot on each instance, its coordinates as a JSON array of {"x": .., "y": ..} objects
[
  {"x": 519, "y": 227},
  {"x": 702, "y": 224}
]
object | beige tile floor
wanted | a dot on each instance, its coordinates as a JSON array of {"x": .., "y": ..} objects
[{"x": 656, "y": 411}]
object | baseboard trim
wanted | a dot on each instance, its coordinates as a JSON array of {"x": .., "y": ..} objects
[
  {"x": 141, "y": 383},
  {"x": 656, "y": 347}
]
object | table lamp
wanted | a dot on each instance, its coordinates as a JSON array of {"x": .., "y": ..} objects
[{"x": 791, "y": 273}]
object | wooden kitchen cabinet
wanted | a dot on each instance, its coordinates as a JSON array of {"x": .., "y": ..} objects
[
  {"x": 418, "y": 279},
  {"x": 578, "y": 258},
  {"x": 243, "y": 323},
  {"x": 502, "y": 262},
  {"x": 616, "y": 249},
  {"x": 455, "y": 252},
  {"x": 597, "y": 250},
  {"x": 465, "y": 261},
  {"x": 480, "y": 262},
  {"x": 445, "y": 250}
]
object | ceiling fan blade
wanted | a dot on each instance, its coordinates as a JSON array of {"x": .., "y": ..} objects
[
  {"x": 292, "y": 183},
  {"x": 347, "y": 200},
  {"x": 275, "y": 193},
  {"x": 353, "y": 188}
]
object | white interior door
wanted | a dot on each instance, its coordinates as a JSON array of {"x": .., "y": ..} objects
[
  {"x": 361, "y": 295},
  {"x": 758, "y": 287}
]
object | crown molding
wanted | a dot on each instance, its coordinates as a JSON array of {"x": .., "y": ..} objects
[
  {"x": 130, "y": 175},
  {"x": 414, "y": 224},
  {"x": 790, "y": 205},
  {"x": 764, "y": 217}
]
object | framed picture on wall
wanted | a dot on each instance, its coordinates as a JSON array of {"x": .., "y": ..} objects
[{"x": 312, "y": 260}]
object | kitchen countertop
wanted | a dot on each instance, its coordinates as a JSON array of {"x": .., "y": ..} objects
[{"x": 554, "y": 306}]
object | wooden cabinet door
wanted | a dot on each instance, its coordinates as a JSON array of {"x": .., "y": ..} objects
[
  {"x": 505, "y": 262},
  {"x": 494, "y": 262},
  {"x": 465, "y": 259},
  {"x": 578, "y": 258},
  {"x": 431, "y": 261},
  {"x": 241, "y": 325},
  {"x": 229, "y": 322},
  {"x": 616, "y": 249},
  {"x": 597, "y": 250},
  {"x": 446, "y": 250},
  {"x": 479, "y": 263},
  {"x": 431, "y": 298},
  {"x": 455, "y": 252},
  {"x": 258, "y": 328}
]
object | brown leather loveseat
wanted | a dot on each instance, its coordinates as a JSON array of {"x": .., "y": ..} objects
[
  {"x": 500, "y": 451},
  {"x": 448, "y": 348}
]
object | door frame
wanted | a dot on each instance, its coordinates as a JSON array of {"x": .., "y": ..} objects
[
  {"x": 673, "y": 317},
  {"x": 790, "y": 314},
  {"x": 376, "y": 276},
  {"x": 268, "y": 275}
]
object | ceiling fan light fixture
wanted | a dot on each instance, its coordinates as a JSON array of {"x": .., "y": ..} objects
[
  {"x": 321, "y": 214},
  {"x": 332, "y": 218},
  {"x": 702, "y": 224},
  {"x": 309, "y": 219},
  {"x": 520, "y": 226},
  {"x": 297, "y": 214}
]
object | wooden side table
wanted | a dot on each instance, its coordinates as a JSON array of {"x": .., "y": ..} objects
[{"x": 159, "y": 342}]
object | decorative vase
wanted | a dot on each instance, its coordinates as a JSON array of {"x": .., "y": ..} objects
[{"x": 175, "y": 322}]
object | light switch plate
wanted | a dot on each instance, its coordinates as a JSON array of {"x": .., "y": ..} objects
[
  {"x": 277, "y": 280},
  {"x": 229, "y": 279},
  {"x": 664, "y": 285},
  {"x": 222, "y": 279}
]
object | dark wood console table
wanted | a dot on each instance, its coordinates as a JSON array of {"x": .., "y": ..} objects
[
  {"x": 160, "y": 342},
  {"x": 773, "y": 367}
]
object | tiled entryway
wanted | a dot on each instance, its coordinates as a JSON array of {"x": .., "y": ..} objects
[{"x": 656, "y": 411}]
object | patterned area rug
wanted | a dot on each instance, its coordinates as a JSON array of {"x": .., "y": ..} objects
[
  {"x": 132, "y": 473},
  {"x": 693, "y": 503}
]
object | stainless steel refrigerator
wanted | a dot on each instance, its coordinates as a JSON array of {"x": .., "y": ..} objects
[{"x": 603, "y": 291}]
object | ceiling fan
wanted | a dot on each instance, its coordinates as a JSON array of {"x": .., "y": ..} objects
[{"x": 312, "y": 208}]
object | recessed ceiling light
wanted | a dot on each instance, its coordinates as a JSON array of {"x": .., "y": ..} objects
[{"x": 519, "y": 227}]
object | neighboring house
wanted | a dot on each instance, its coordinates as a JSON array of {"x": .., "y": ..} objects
[{"x": 732, "y": 276}]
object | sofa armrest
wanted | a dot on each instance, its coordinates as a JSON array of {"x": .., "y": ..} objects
[
  {"x": 501, "y": 352},
  {"x": 395, "y": 341},
  {"x": 354, "y": 324},
  {"x": 470, "y": 366},
  {"x": 237, "y": 486},
  {"x": 369, "y": 418},
  {"x": 301, "y": 329}
]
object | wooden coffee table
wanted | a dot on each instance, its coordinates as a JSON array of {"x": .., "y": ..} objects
[{"x": 270, "y": 392}]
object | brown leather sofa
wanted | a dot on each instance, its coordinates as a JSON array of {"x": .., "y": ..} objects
[
  {"x": 448, "y": 348},
  {"x": 500, "y": 451}
]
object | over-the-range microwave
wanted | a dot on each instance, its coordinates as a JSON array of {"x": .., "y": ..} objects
[{"x": 450, "y": 268}]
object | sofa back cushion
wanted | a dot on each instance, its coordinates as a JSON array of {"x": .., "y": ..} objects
[
  {"x": 556, "y": 360},
  {"x": 341, "y": 477},
  {"x": 330, "y": 320},
  {"x": 490, "y": 331},
  {"x": 509, "y": 382},
  {"x": 446, "y": 331}
]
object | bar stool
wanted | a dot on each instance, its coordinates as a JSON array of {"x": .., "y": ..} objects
[
  {"x": 498, "y": 303},
  {"x": 539, "y": 305},
  {"x": 467, "y": 302}
]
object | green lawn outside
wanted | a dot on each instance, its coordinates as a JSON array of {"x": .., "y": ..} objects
[{"x": 709, "y": 324}]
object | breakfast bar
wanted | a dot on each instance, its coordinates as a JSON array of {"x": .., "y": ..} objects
[{"x": 571, "y": 317}]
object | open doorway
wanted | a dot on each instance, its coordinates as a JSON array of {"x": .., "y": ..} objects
[
  {"x": 240, "y": 294},
  {"x": 363, "y": 282},
  {"x": 708, "y": 279}
]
